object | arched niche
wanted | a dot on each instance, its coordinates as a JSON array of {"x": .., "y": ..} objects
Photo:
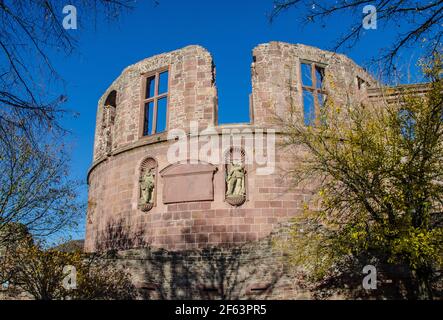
[
  {"x": 235, "y": 176},
  {"x": 147, "y": 184}
]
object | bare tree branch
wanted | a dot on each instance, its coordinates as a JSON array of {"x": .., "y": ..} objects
[{"x": 423, "y": 19}]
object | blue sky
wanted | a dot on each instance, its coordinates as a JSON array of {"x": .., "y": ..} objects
[{"x": 228, "y": 29}]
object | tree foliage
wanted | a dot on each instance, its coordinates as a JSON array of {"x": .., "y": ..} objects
[
  {"x": 42, "y": 274},
  {"x": 379, "y": 174},
  {"x": 35, "y": 190}
]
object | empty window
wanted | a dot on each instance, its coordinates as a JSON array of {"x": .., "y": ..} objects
[
  {"x": 155, "y": 103},
  {"x": 361, "y": 84},
  {"x": 312, "y": 78},
  {"x": 111, "y": 99}
]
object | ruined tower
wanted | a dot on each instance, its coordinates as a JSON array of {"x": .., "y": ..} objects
[{"x": 163, "y": 205}]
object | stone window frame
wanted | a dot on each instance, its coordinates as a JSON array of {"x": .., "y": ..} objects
[
  {"x": 362, "y": 84},
  {"x": 111, "y": 98},
  {"x": 313, "y": 88},
  {"x": 154, "y": 98},
  {"x": 108, "y": 119}
]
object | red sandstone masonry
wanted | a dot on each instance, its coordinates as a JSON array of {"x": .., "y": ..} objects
[{"x": 114, "y": 219}]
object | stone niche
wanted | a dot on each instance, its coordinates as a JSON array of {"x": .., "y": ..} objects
[{"x": 187, "y": 182}]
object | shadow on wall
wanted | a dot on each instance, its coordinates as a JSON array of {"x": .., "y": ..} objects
[
  {"x": 118, "y": 235},
  {"x": 254, "y": 270},
  {"x": 249, "y": 271},
  {"x": 211, "y": 274},
  {"x": 394, "y": 282}
]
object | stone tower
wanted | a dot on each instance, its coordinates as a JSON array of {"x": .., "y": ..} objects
[{"x": 150, "y": 191}]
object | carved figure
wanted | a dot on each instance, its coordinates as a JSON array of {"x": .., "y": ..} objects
[
  {"x": 236, "y": 180},
  {"x": 147, "y": 187}
]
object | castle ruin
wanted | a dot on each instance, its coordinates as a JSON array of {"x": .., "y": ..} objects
[{"x": 195, "y": 227}]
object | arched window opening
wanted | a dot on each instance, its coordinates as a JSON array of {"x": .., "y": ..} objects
[
  {"x": 111, "y": 100},
  {"x": 108, "y": 120}
]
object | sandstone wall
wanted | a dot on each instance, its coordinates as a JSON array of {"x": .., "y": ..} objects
[
  {"x": 192, "y": 96},
  {"x": 276, "y": 78},
  {"x": 255, "y": 270},
  {"x": 115, "y": 220}
]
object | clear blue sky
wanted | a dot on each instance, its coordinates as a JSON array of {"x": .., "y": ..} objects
[{"x": 228, "y": 29}]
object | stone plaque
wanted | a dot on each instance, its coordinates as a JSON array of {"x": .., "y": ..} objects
[{"x": 188, "y": 182}]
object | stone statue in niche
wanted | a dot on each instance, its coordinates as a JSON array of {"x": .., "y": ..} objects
[
  {"x": 236, "y": 183},
  {"x": 236, "y": 180},
  {"x": 147, "y": 185}
]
